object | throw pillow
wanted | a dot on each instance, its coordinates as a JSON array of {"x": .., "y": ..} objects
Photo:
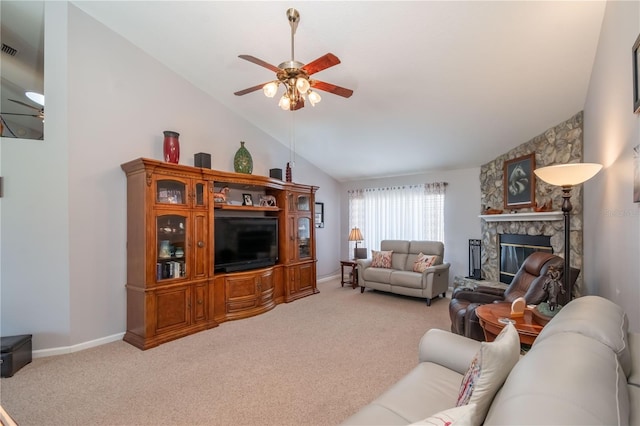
[
  {"x": 423, "y": 261},
  {"x": 488, "y": 371},
  {"x": 381, "y": 259},
  {"x": 453, "y": 416}
]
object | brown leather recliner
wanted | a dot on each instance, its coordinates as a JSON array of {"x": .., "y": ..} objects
[{"x": 527, "y": 283}]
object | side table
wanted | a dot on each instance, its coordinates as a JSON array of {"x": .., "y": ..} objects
[
  {"x": 354, "y": 273},
  {"x": 492, "y": 316}
]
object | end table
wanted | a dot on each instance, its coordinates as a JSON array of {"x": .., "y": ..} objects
[{"x": 354, "y": 273}]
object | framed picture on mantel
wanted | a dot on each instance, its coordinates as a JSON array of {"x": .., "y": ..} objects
[{"x": 519, "y": 182}]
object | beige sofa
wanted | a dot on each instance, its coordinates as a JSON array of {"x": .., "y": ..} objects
[
  {"x": 400, "y": 278},
  {"x": 583, "y": 369}
]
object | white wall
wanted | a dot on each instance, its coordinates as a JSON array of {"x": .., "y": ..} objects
[
  {"x": 611, "y": 219},
  {"x": 64, "y": 212},
  {"x": 35, "y": 223},
  {"x": 461, "y": 210}
]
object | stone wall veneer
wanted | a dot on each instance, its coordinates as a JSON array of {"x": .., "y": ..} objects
[{"x": 558, "y": 145}]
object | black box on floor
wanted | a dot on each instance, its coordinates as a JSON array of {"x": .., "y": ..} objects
[
  {"x": 16, "y": 353},
  {"x": 202, "y": 159},
  {"x": 275, "y": 173}
]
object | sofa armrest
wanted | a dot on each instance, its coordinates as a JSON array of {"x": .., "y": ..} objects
[
  {"x": 364, "y": 263},
  {"x": 447, "y": 349},
  {"x": 477, "y": 297}
]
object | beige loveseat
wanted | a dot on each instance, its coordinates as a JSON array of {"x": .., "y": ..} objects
[
  {"x": 400, "y": 278},
  {"x": 583, "y": 369}
]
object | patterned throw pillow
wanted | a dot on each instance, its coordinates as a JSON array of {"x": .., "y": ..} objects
[
  {"x": 488, "y": 371},
  {"x": 381, "y": 259},
  {"x": 453, "y": 416},
  {"x": 423, "y": 262}
]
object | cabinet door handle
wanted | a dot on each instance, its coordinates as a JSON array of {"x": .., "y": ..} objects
[
  {"x": 199, "y": 301},
  {"x": 200, "y": 244}
]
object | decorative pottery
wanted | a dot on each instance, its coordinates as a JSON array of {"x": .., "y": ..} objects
[
  {"x": 288, "y": 173},
  {"x": 179, "y": 252},
  {"x": 242, "y": 162},
  {"x": 171, "y": 147}
]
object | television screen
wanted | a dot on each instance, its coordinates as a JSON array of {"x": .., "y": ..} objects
[{"x": 243, "y": 243}]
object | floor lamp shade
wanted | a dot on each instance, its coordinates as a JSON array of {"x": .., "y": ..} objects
[{"x": 567, "y": 176}]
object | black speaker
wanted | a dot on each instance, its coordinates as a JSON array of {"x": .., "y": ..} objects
[
  {"x": 275, "y": 173},
  {"x": 202, "y": 159}
]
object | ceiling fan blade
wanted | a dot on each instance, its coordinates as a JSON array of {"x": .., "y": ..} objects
[
  {"x": 249, "y": 90},
  {"x": 322, "y": 63},
  {"x": 15, "y": 113},
  {"x": 332, "y": 88},
  {"x": 260, "y": 62},
  {"x": 23, "y": 104}
]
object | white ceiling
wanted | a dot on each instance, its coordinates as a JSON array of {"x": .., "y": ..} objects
[{"x": 437, "y": 85}]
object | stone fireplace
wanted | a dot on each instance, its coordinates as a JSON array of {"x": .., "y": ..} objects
[{"x": 560, "y": 144}]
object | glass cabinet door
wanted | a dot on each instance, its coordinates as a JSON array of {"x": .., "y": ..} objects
[
  {"x": 199, "y": 196},
  {"x": 171, "y": 247},
  {"x": 303, "y": 204},
  {"x": 304, "y": 237},
  {"x": 170, "y": 191}
]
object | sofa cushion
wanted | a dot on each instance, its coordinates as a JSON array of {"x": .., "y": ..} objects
[
  {"x": 427, "y": 247},
  {"x": 406, "y": 279},
  {"x": 381, "y": 259},
  {"x": 377, "y": 275},
  {"x": 488, "y": 371},
  {"x": 462, "y": 415},
  {"x": 597, "y": 318},
  {"x": 422, "y": 262},
  {"x": 566, "y": 379}
]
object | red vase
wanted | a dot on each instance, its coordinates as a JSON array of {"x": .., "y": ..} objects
[{"x": 171, "y": 147}]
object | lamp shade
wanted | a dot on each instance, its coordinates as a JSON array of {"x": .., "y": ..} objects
[
  {"x": 355, "y": 235},
  {"x": 568, "y": 174}
]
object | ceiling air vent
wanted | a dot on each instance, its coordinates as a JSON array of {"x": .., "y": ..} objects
[{"x": 8, "y": 49}]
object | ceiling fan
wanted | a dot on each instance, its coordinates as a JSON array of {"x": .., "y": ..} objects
[
  {"x": 39, "y": 115},
  {"x": 295, "y": 76}
]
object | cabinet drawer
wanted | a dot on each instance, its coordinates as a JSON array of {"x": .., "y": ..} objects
[{"x": 241, "y": 305}]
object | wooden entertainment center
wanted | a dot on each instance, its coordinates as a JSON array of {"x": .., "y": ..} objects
[{"x": 173, "y": 288}]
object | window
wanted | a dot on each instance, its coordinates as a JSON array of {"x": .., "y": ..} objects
[{"x": 414, "y": 212}]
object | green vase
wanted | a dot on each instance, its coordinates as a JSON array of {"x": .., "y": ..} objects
[{"x": 242, "y": 162}]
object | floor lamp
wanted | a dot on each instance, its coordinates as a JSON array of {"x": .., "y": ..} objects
[{"x": 567, "y": 176}]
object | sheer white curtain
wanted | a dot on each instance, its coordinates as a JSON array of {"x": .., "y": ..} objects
[{"x": 413, "y": 212}]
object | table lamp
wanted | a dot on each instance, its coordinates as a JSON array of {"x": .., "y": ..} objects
[
  {"x": 355, "y": 235},
  {"x": 567, "y": 176}
]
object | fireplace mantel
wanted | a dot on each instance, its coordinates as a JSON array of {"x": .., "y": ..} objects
[{"x": 527, "y": 216}]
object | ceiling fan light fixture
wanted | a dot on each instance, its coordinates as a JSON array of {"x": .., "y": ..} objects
[
  {"x": 314, "y": 98},
  {"x": 285, "y": 102},
  {"x": 270, "y": 89},
  {"x": 302, "y": 84},
  {"x": 35, "y": 97}
]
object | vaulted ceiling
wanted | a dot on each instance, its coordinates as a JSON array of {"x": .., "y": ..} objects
[{"x": 437, "y": 84}]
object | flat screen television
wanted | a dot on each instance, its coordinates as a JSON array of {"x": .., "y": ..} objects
[{"x": 243, "y": 243}]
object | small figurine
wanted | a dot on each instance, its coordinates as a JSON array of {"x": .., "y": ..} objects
[
  {"x": 552, "y": 286},
  {"x": 221, "y": 197},
  {"x": 267, "y": 201},
  {"x": 545, "y": 207}
]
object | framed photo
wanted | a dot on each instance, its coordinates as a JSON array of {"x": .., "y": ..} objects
[
  {"x": 519, "y": 182},
  {"x": 247, "y": 200},
  {"x": 319, "y": 215},
  {"x": 636, "y": 75}
]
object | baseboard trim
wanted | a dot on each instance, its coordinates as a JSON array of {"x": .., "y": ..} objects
[
  {"x": 42, "y": 353},
  {"x": 328, "y": 278}
]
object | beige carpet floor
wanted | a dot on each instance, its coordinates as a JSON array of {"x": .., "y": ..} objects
[{"x": 315, "y": 361}]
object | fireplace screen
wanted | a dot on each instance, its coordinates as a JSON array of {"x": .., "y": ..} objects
[{"x": 514, "y": 249}]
